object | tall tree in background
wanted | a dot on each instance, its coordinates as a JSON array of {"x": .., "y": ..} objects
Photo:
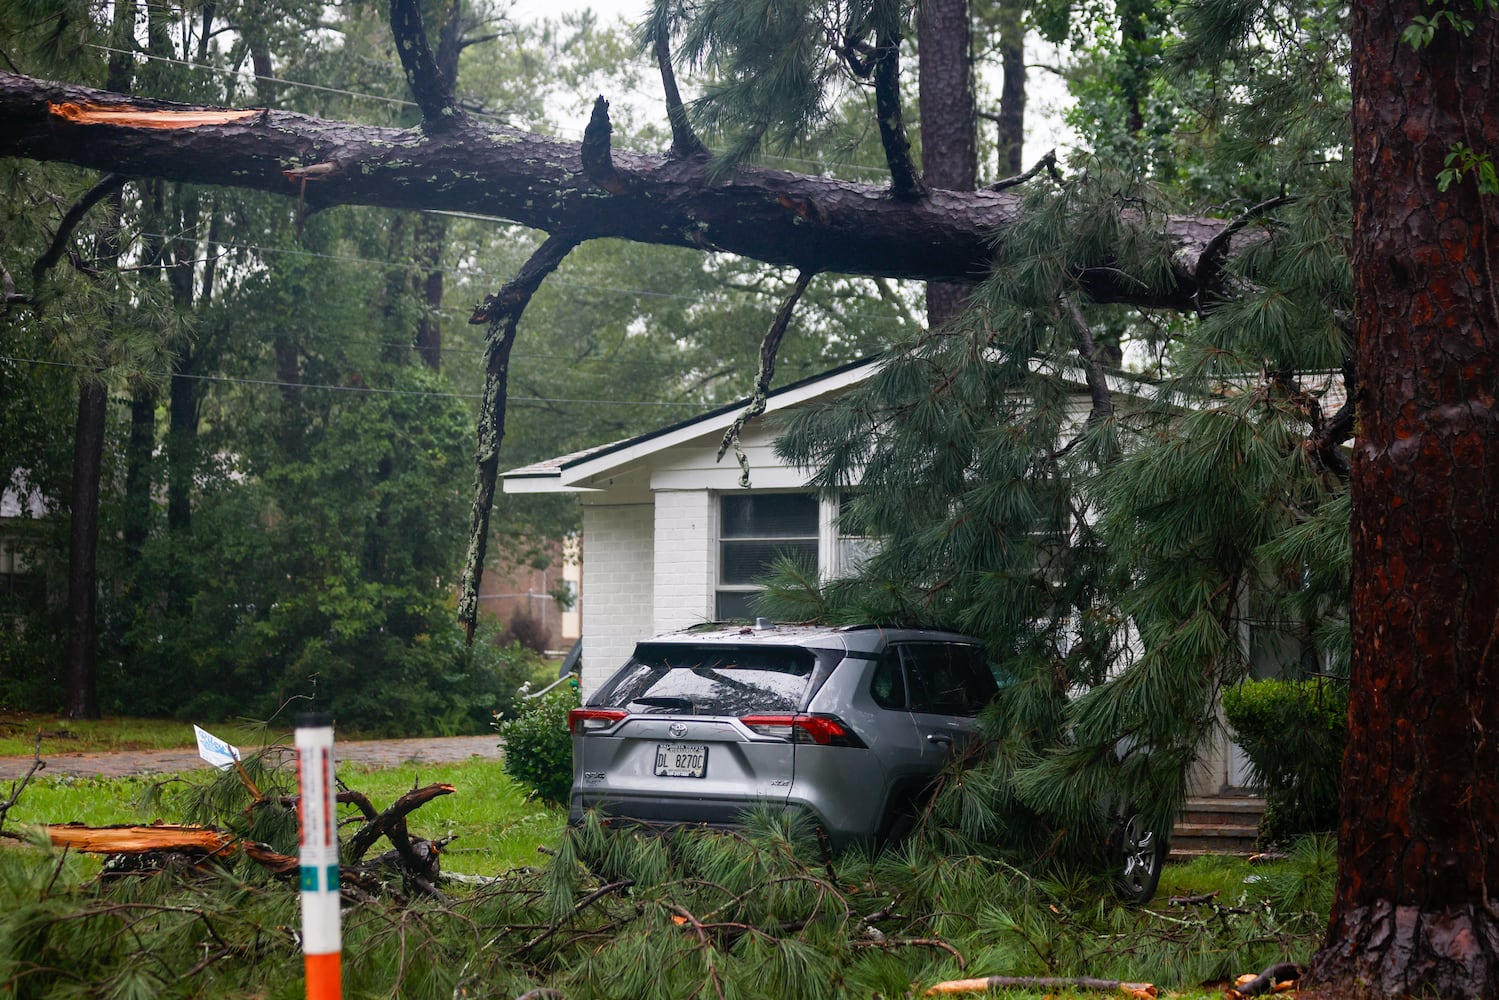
[
  {"x": 1417, "y": 907},
  {"x": 949, "y": 121}
]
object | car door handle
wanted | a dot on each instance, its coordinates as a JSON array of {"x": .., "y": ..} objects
[{"x": 939, "y": 739}]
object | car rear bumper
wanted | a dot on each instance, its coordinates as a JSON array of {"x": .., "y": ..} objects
[{"x": 666, "y": 812}]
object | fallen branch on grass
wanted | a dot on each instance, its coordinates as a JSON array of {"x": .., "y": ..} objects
[
  {"x": 1278, "y": 978},
  {"x": 1140, "y": 991},
  {"x": 416, "y": 858},
  {"x": 15, "y": 790}
]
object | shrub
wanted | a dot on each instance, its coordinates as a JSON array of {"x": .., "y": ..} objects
[
  {"x": 1293, "y": 733},
  {"x": 538, "y": 746}
]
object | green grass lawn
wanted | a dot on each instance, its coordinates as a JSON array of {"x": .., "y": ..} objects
[
  {"x": 18, "y": 733},
  {"x": 494, "y": 825}
]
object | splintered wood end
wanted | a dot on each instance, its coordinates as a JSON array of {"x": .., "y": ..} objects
[{"x": 89, "y": 113}]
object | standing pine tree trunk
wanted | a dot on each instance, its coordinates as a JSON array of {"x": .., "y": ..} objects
[
  {"x": 1011, "y": 139},
  {"x": 1417, "y": 906},
  {"x": 949, "y": 121}
]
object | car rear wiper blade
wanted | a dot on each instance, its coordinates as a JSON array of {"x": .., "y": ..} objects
[{"x": 665, "y": 701}]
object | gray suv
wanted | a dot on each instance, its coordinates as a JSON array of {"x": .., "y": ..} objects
[{"x": 846, "y": 724}]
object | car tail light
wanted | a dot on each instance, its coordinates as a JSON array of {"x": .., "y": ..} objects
[
  {"x": 582, "y": 721},
  {"x": 825, "y": 730}
]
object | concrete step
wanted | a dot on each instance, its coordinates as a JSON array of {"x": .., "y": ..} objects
[{"x": 1217, "y": 825}]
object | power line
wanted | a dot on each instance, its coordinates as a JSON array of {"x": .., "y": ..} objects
[
  {"x": 451, "y": 271},
  {"x": 276, "y": 383},
  {"x": 242, "y": 74},
  {"x": 412, "y": 266}
]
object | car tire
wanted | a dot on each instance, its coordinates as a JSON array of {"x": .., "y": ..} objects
[{"x": 1137, "y": 856}]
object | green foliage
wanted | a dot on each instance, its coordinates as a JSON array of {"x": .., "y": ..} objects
[
  {"x": 539, "y": 745},
  {"x": 1293, "y": 733},
  {"x": 1462, "y": 161},
  {"x": 1422, "y": 29}
]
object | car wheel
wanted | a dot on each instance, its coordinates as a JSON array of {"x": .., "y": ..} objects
[{"x": 1140, "y": 851}]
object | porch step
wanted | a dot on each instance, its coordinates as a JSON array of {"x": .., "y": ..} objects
[{"x": 1217, "y": 825}]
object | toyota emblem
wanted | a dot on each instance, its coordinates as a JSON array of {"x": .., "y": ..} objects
[{"x": 677, "y": 730}]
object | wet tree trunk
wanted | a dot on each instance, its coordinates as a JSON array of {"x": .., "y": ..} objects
[{"x": 1417, "y": 906}]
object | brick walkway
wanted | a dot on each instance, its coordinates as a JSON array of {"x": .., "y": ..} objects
[{"x": 378, "y": 753}]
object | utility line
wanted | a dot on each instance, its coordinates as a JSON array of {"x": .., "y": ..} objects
[
  {"x": 275, "y": 383},
  {"x": 421, "y": 269},
  {"x": 459, "y": 272},
  {"x": 243, "y": 74}
]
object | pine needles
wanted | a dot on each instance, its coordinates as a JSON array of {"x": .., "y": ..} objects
[{"x": 756, "y": 912}]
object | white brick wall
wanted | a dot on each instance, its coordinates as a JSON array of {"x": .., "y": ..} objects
[
  {"x": 686, "y": 526},
  {"x": 617, "y": 602}
]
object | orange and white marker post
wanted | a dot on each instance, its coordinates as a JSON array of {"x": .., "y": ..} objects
[{"x": 318, "y": 812}]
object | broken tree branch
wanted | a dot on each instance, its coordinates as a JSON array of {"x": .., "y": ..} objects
[
  {"x": 1267, "y": 981},
  {"x": 1093, "y": 373},
  {"x": 106, "y": 186},
  {"x": 36, "y": 765},
  {"x": 597, "y": 158},
  {"x": 1142, "y": 991},
  {"x": 432, "y": 92},
  {"x": 391, "y": 824},
  {"x": 502, "y": 311},
  {"x": 905, "y": 181},
  {"x": 684, "y": 142},
  {"x": 1210, "y": 261},
  {"x": 1047, "y": 163},
  {"x": 769, "y": 348}
]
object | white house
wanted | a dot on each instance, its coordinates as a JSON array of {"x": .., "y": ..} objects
[{"x": 670, "y": 537}]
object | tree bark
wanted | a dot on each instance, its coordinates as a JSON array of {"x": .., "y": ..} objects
[
  {"x": 1417, "y": 904},
  {"x": 778, "y": 217}
]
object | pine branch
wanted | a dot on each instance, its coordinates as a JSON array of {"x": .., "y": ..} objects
[
  {"x": 106, "y": 186},
  {"x": 596, "y": 155},
  {"x": 433, "y": 93},
  {"x": 1210, "y": 261},
  {"x": 583, "y": 904},
  {"x": 16, "y": 789},
  {"x": 1098, "y": 384},
  {"x": 1047, "y": 163},
  {"x": 1267, "y": 981},
  {"x": 684, "y": 142},
  {"x": 769, "y": 348},
  {"x": 502, "y": 311},
  {"x": 905, "y": 181}
]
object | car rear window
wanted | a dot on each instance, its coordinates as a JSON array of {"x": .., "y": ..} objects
[{"x": 677, "y": 679}]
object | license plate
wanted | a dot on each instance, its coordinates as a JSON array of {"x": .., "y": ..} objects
[{"x": 681, "y": 760}]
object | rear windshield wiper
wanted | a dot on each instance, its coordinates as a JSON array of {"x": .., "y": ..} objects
[{"x": 672, "y": 701}]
